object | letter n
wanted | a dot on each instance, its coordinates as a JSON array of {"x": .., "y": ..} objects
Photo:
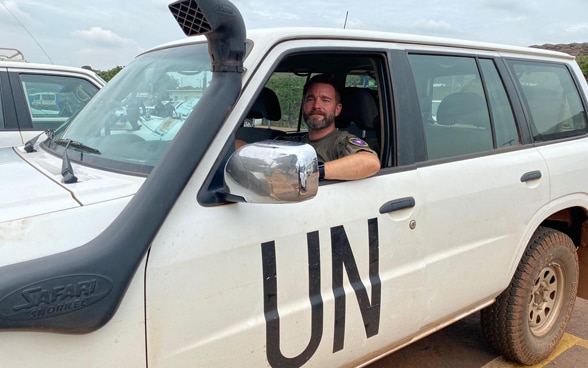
[
  {"x": 270, "y": 304},
  {"x": 343, "y": 257}
]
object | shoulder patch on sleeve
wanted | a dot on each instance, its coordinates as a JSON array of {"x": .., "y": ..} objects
[{"x": 358, "y": 142}]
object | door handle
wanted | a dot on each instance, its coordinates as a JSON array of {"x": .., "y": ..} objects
[
  {"x": 531, "y": 175},
  {"x": 397, "y": 204}
]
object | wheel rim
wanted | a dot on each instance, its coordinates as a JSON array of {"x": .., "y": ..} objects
[{"x": 546, "y": 299}]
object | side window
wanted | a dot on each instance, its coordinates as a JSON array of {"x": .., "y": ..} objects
[
  {"x": 454, "y": 105},
  {"x": 552, "y": 99},
  {"x": 53, "y": 99},
  {"x": 277, "y": 109},
  {"x": 501, "y": 111}
]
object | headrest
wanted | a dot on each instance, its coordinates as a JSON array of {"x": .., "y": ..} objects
[
  {"x": 464, "y": 108},
  {"x": 359, "y": 107},
  {"x": 266, "y": 106}
]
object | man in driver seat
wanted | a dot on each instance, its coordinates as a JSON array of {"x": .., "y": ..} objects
[{"x": 341, "y": 155}]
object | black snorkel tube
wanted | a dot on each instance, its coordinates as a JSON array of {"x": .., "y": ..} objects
[{"x": 86, "y": 284}]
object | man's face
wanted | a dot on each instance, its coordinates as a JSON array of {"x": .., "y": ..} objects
[{"x": 320, "y": 106}]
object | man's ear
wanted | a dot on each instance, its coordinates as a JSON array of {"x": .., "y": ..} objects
[{"x": 338, "y": 109}]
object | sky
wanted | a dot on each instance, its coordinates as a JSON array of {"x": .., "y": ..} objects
[{"x": 108, "y": 33}]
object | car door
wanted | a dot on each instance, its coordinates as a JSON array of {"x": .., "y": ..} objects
[
  {"x": 557, "y": 112},
  {"x": 482, "y": 185},
  {"x": 326, "y": 282}
]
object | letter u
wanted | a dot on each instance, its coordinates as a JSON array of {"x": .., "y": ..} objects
[{"x": 270, "y": 303}]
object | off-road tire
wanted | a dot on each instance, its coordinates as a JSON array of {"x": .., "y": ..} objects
[{"x": 529, "y": 318}]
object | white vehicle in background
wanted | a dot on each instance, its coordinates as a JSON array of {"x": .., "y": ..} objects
[
  {"x": 154, "y": 242},
  {"x": 38, "y": 97}
]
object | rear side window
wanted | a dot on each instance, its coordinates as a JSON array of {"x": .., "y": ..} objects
[
  {"x": 552, "y": 99},
  {"x": 454, "y": 101}
]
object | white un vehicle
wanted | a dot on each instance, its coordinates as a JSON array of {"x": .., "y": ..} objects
[{"x": 152, "y": 242}]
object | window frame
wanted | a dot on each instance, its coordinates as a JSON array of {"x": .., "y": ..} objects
[{"x": 208, "y": 195}]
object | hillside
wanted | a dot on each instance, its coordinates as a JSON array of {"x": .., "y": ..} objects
[{"x": 575, "y": 49}]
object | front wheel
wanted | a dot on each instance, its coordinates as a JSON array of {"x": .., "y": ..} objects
[{"x": 529, "y": 318}]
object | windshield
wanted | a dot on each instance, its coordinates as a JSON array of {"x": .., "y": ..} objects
[{"x": 132, "y": 120}]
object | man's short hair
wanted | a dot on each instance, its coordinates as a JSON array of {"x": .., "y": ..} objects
[{"x": 326, "y": 79}]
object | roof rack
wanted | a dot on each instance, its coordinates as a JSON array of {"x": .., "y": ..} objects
[{"x": 11, "y": 54}]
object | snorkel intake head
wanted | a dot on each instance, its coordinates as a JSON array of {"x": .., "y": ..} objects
[{"x": 221, "y": 22}]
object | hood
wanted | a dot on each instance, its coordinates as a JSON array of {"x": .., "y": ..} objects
[{"x": 40, "y": 188}]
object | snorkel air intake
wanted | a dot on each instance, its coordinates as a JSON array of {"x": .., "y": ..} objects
[
  {"x": 80, "y": 290},
  {"x": 223, "y": 26}
]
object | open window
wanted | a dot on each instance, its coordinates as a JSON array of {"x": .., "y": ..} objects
[{"x": 276, "y": 111}]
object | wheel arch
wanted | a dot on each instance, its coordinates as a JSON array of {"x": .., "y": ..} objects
[
  {"x": 573, "y": 221},
  {"x": 569, "y": 215}
]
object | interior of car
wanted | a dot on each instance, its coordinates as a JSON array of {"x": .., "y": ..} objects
[{"x": 277, "y": 109}]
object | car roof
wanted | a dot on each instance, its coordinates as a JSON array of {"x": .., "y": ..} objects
[
  {"x": 272, "y": 36},
  {"x": 25, "y": 65}
]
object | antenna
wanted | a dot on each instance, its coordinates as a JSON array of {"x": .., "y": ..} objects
[
  {"x": 30, "y": 34},
  {"x": 345, "y": 24}
]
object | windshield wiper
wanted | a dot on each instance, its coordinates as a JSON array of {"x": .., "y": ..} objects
[
  {"x": 79, "y": 145},
  {"x": 30, "y": 144},
  {"x": 66, "y": 168}
]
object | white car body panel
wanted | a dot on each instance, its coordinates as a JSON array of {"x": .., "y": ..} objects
[
  {"x": 13, "y": 138},
  {"x": 42, "y": 170},
  {"x": 238, "y": 294},
  {"x": 35, "y": 193},
  {"x": 476, "y": 195}
]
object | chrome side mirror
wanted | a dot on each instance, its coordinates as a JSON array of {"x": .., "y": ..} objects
[{"x": 272, "y": 172}]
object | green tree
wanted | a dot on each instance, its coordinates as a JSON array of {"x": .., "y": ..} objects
[
  {"x": 107, "y": 75},
  {"x": 288, "y": 87},
  {"x": 583, "y": 62}
]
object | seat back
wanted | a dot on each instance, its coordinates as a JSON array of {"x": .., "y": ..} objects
[
  {"x": 360, "y": 115},
  {"x": 463, "y": 127},
  {"x": 463, "y": 108},
  {"x": 266, "y": 106}
]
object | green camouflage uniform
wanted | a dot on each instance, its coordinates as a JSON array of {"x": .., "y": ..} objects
[{"x": 337, "y": 144}]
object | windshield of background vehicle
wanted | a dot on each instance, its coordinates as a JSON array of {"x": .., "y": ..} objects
[{"x": 130, "y": 123}]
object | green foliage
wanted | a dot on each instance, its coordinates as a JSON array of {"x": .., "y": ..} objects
[
  {"x": 288, "y": 87},
  {"x": 107, "y": 75},
  {"x": 583, "y": 62}
]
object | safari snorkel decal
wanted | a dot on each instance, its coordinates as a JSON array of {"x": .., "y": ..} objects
[{"x": 54, "y": 297}]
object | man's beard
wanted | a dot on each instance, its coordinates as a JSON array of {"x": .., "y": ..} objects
[{"x": 315, "y": 124}]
